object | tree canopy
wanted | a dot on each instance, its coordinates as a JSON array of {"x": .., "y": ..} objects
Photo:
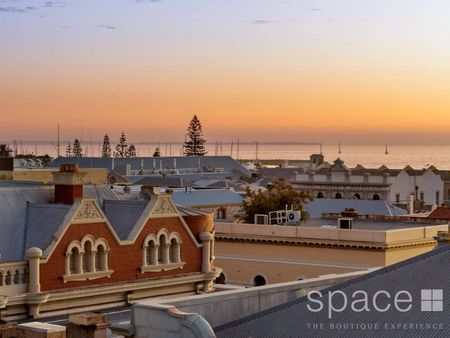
[
  {"x": 77, "y": 150},
  {"x": 106, "y": 148},
  {"x": 277, "y": 197},
  {"x": 5, "y": 150},
  {"x": 131, "y": 152},
  {"x": 121, "y": 147},
  {"x": 157, "y": 153},
  {"x": 195, "y": 146}
]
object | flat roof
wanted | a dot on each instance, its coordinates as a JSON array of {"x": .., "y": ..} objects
[{"x": 363, "y": 224}]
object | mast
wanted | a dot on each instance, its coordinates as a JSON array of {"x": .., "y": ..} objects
[
  {"x": 237, "y": 149},
  {"x": 386, "y": 152},
  {"x": 340, "y": 151},
  {"x": 58, "y": 146}
]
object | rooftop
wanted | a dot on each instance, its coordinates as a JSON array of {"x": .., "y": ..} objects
[{"x": 294, "y": 319}]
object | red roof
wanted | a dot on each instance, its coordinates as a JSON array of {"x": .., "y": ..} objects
[{"x": 440, "y": 213}]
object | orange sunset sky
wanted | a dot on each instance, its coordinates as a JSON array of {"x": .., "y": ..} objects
[{"x": 328, "y": 71}]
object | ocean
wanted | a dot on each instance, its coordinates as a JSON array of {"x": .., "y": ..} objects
[{"x": 371, "y": 156}]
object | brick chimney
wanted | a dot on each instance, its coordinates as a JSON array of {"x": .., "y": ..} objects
[{"x": 68, "y": 184}]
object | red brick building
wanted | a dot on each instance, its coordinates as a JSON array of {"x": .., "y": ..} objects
[{"x": 85, "y": 251}]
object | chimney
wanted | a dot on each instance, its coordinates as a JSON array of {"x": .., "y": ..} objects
[
  {"x": 411, "y": 204},
  {"x": 68, "y": 184}
]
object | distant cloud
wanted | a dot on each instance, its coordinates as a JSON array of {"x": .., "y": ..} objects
[
  {"x": 13, "y": 6},
  {"x": 141, "y": 1},
  {"x": 108, "y": 26},
  {"x": 315, "y": 9},
  {"x": 16, "y": 9},
  {"x": 262, "y": 22},
  {"x": 49, "y": 4}
]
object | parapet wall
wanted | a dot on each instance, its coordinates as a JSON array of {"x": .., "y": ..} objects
[
  {"x": 223, "y": 307},
  {"x": 302, "y": 233}
]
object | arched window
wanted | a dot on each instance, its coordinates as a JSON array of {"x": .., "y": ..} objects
[
  {"x": 74, "y": 265},
  {"x": 338, "y": 195},
  {"x": 320, "y": 195},
  {"x": 151, "y": 253},
  {"x": 221, "y": 279},
  {"x": 357, "y": 196},
  {"x": 376, "y": 197},
  {"x": 163, "y": 250},
  {"x": 88, "y": 258},
  {"x": 259, "y": 281},
  {"x": 174, "y": 251},
  {"x": 100, "y": 259}
]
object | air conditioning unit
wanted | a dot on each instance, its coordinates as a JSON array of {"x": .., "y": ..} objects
[
  {"x": 293, "y": 217},
  {"x": 345, "y": 223}
]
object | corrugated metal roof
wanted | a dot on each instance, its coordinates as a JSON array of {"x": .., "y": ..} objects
[
  {"x": 206, "y": 197},
  {"x": 364, "y": 207},
  {"x": 42, "y": 222},
  {"x": 158, "y": 181},
  {"x": 123, "y": 215},
  {"x": 17, "y": 201},
  {"x": 226, "y": 163},
  {"x": 428, "y": 271},
  {"x": 13, "y": 211}
]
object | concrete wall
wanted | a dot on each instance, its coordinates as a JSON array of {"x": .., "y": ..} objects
[
  {"x": 223, "y": 307},
  {"x": 303, "y": 232},
  {"x": 287, "y": 253},
  {"x": 241, "y": 262}
]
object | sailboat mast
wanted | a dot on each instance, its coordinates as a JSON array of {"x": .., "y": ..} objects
[{"x": 57, "y": 144}]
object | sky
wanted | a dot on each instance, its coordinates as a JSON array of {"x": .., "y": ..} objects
[{"x": 350, "y": 71}]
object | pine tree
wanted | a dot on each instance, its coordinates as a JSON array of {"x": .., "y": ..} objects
[
  {"x": 69, "y": 150},
  {"x": 106, "y": 149},
  {"x": 157, "y": 153},
  {"x": 131, "y": 152},
  {"x": 77, "y": 151},
  {"x": 121, "y": 147},
  {"x": 196, "y": 145}
]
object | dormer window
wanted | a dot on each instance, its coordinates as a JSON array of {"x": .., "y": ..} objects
[
  {"x": 87, "y": 260},
  {"x": 161, "y": 252}
]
